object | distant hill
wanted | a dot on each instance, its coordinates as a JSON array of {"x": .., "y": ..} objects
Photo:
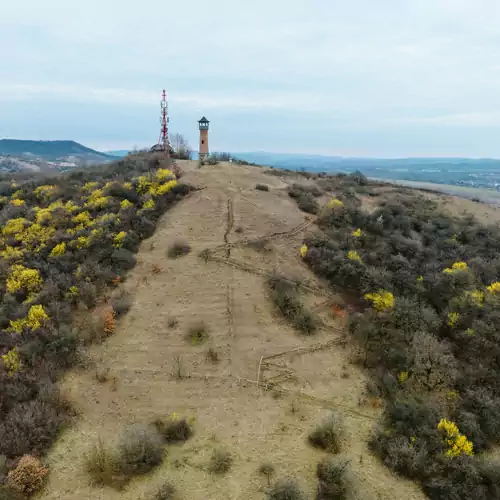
[
  {"x": 20, "y": 155},
  {"x": 484, "y": 173},
  {"x": 47, "y": 149}
]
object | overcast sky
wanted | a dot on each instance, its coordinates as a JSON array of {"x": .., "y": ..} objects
[{"x": 346, "y": 77}]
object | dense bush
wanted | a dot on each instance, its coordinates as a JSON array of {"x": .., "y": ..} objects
[
  {"x": 332, "y": 483},
  {"x": 139, "y": 450},
  {"x": 165, "y": 492},
  {"x": 178, "y": 249},
  {"x": 285, "y": 297},
  {"x": 220, "y": 461},
  {"x": 174, "y": 429},
  {"x": 65, "y": 240},
  {"x": 425, "y": 289},
  {"x": 327, "y": 434},
  {"x": 262, "y": 187},
  {"x": 286, "y": 489}
]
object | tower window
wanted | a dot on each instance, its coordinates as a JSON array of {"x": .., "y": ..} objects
[{"x": 203, "y": 141}]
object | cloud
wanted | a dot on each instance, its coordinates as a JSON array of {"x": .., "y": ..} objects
[{"x": 406, "y": 69}]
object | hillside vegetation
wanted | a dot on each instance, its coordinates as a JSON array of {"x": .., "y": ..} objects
[
  {"x": 424, "y": 288},
  {"x": 65, "y": 242},
  {"x": 282, "y": 336}
]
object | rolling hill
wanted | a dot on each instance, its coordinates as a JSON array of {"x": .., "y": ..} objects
[{"x": 20, "y": 155}]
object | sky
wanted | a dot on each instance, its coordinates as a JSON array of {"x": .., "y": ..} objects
[{"x": 385, "y": 78}]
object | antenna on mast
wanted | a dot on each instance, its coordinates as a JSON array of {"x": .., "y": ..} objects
[{"x": 164, "y": 119}]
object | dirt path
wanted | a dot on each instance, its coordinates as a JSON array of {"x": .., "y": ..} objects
[{"x": 254, "y": 424}]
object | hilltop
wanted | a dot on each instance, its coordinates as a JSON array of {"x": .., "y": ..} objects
[
  {"x": 19, "y": 155},
  {"x": 276, "y": 335}
]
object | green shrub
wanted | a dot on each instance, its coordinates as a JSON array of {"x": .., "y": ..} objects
[
  {"x": 121, "y": 303},
  {"x": 221, "y": 461},
  {"x": 262, "y": 187},
  {"x": 198, "y": 334},
  {"x": 285, "y": 297},
  {"x": 174, "y": 430},
  {"x": 178, "y": 249},
  {"x": 286, "y": 489},
  {"x": 165, "y": 492},
  {"x": 101, "y": 466},
  {"x": 332, "y": 483},
  {"x": 268, "y": 470},
  {"x": 327, "y": 434}
]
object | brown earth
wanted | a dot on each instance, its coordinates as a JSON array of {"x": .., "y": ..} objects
[{"x": 254, "y": 423}]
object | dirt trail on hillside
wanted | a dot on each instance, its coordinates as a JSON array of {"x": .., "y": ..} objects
[{"x": 231, "y": 411}]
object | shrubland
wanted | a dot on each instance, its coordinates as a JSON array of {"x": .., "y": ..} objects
[
  {"x": 65, "y": 241},
  {"x": 424, "y": 288}
]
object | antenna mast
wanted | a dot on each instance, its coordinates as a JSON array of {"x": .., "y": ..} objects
[{"x": 163, "y": 140}]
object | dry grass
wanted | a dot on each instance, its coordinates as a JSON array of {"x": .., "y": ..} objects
[{"x": 218, "y": 395}]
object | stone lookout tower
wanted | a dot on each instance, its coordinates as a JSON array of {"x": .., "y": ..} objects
[{"x": 203, "y": 138}]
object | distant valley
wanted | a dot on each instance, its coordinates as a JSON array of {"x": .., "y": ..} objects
[{"x": 466, "y": 172}]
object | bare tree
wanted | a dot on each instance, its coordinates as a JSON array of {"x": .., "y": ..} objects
[{"x": 181, "y": 147}]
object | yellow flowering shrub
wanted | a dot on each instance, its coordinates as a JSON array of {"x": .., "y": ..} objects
[
  {"x": 128, "y": 185},
  {"x": 81, "y": 242},
  {"x": 83, "y": 219},
  {"x": 470, "y": 331},
  {"x": 456, "y": 267},
  {"x": 457, "y": 444},
  {"x": 89, "y": 186},
  {"x": 97, "y": 199},
  {"x": 403, "y": 377},
  {"x": 476, "y": 297},
  {"x": 12, "y": 254},
  {"x": 3, "y": 200},
  {"x": 453, "y": 318},
  {"x": 353, "y": 255},
  {"x": 381, "y": 300},
  {"x": 96, "y": 234},
  {"x": 11, "y": 361},
  {"x": 161, "y": 189},
  {"x": 36, "y": 234},
  {"x": 143, "y": 184},
  {"x": 17, "y": 195},
  {"x": 119, "y": 239},
  {"x": 164, "y": 173},
  {"x": 58, "y": 250},
  {"x": 72, "y": 292},
  {"x": 149, "y": 204},
  {"x": 420, "y": 278},
  {"x": 25, "y": 279},
  {"x": 14, "y": 226},
  {"x": 45, "y": 192},
  {"x": 17, "y": 203},
  {"x": 358, "y": 233},
  {"x": 36, "y": 318},
  {"x": 43, "y": 215},
  {"x": 126, "y": 204},
  {"x": 335, "y": 203},
  {"x": 494, "y": 288},
  {"x": 107, "y": 219},
  {"x": 303, "y": 250}
]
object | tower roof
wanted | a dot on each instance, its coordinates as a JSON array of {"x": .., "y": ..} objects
[{"x": 203, "y": 119}]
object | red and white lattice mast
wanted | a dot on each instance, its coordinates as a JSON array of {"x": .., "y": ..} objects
[{"x": 164, "y": 119}]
